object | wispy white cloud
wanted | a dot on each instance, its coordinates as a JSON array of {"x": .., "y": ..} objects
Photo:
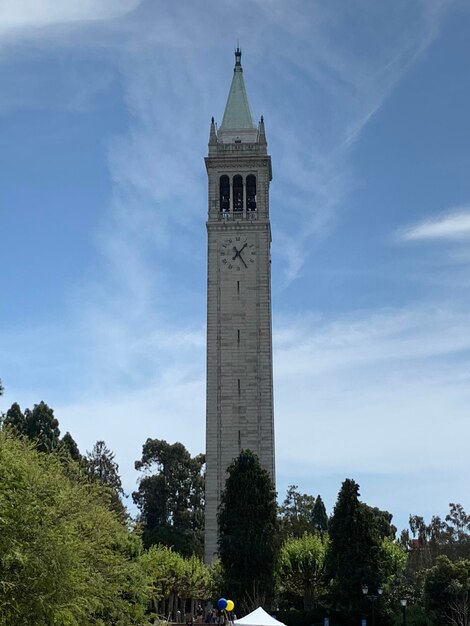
[
  {"x": 343, "y": 87},
  {"x": 387, "y": 381},
  {"x": 454, "y": 224},
  {"x": 17, "y": 16}
]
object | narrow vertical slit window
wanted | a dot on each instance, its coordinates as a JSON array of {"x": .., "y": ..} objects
[
  {"x": 239, "y": 387},
  {"x": 238, "y": 286},
  {"x": 238, "y": 336}
]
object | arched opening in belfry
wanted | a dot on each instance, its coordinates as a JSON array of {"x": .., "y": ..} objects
[
  {"x": 251, "y": 192},
  {"x": 237, "y": 193},
  {"x": 224, "y": 191}
]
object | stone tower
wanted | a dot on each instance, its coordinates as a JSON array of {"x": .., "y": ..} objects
[{"x": 239, "y": 343}]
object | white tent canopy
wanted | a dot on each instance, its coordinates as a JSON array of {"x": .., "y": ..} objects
[{"x": 258, "y": 617}]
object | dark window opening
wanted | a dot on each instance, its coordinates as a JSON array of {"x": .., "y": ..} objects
[
  {"x": 237, "y": 193},
  {"x": 251, "y": 192},
  {"x": 224, "y": 189}
]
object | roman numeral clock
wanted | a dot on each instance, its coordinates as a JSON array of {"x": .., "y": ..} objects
[
  {"x": 237, "y": 252},
  {"x": 239, "y": 410}
]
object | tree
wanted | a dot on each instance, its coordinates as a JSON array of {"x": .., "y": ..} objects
[
  {"x": 449, "y": 537},
  {"x": 101, "y": 467},
  {"x": 171, "y": 498},
  {"x": 39, "y": 424},
  {"x": 2, "y": 388},
  {"x": 353, "y": 559},
  {"x": 447, "y": 592},
  {"x": 302, "y": 567},
  {"x": 64, "y": 557},
  {"x": 248, "y": 532},
  {"x": 296, "y": 513},
  {"x": 69, "y": 445},
  {"x": 175, "y": 579},
  {"x": 382, "y": 521},
  {"x": 319, "y": 516}
]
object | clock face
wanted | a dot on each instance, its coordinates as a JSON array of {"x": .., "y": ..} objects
[{"x": 237, "y": 253}]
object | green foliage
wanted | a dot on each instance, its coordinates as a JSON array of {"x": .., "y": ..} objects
[
  {"x": 101, "y": 467},
  {"x": 425, "y": 542},
  {"x": 171, "y": 577},
  {"x": 63, "y": 554},
  {"x": 447, "y": 592},
  {"x": 296, "y": 513},
  {"x": 382, "y": 521},
  {"x": 38, "y": 424},
  {"x": 69, "y": 446},
  {"x": 391, "y": 561},
  {"x": 302, "y": 567},
  {"x": 319, "y": 516},
  {"x": 248, "y": 533},
  {"x": 171, "y": 498},
  {"x": 353, "y": 558}
]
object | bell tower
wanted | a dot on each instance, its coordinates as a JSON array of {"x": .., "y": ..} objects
[{"x": 239, "y": 411}]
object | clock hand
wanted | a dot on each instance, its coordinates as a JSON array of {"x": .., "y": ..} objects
[
  {"x": 243, "y": 261},
  {"x": 237, "y": 253},
  {"x": 242, "y": 248}
]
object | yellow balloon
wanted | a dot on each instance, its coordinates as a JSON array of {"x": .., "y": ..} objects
[{"x": 230, "y": 605}]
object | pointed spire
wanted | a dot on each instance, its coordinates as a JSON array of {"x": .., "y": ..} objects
[
  {"x": 212, "y": 134},
  {"x": 262, "y": 133},
  {"x": 237, "y": 116}
]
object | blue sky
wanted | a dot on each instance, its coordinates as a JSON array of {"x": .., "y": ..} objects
[{"x": 105, "y": 108}]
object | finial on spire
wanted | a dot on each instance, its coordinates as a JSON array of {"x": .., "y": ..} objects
[{"x": 238, "y": 56}]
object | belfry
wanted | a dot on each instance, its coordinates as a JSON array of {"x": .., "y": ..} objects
[{"x": 239, "y": 411}]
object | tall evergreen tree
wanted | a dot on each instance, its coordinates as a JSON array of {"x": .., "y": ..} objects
[
  {"x": 69, "y": 444},
  {"x": 248, "y": 533},
  {"x": 101, "y": 467},
  {"x": 38, "y": 424},
  {"x": 354, "y": 552},
  {"x": 319, "y": 516}
]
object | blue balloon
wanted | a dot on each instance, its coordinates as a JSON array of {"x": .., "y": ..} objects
[{"x": 222, "y": 604}]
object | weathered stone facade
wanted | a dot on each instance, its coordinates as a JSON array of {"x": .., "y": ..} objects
[{"x": 239, "y": 337}]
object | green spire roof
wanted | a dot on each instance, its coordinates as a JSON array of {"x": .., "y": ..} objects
[{"x": 237, "y": 114}]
